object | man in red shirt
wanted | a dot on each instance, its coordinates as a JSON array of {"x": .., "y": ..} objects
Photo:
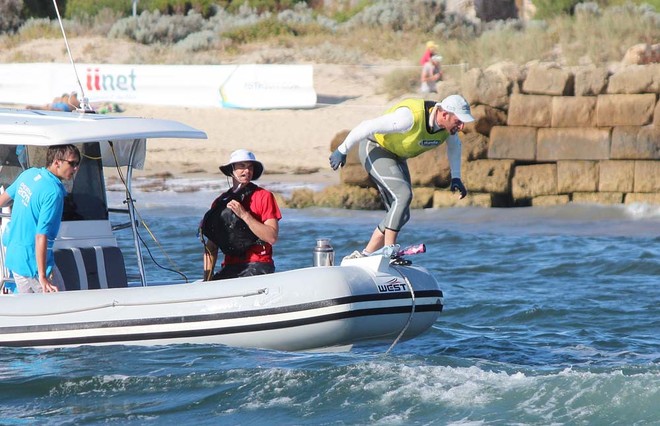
[{"x": 243, "y": 223}]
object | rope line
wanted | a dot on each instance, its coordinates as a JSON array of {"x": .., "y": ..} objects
[
  {"x": 412, "y": 310},
  {"x": 115, "y": 304}
]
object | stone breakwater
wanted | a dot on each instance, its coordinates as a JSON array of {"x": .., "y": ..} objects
[{"x": 543, "y": 135}]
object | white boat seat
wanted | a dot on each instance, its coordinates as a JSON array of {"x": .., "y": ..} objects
[{"x": 89, "y": 268}]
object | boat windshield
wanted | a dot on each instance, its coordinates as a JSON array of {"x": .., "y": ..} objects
[{"x": 86, "y": 199}]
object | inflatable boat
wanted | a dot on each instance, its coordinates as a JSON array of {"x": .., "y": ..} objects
[{"x": 375, "y": 299}]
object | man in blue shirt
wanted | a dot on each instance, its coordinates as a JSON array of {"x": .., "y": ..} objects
[{"x": 38, "y": 195}]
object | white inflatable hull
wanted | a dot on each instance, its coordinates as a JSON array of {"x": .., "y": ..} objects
[
  {"x": 362, "y": 300},
  {"x": 299, "y": 310}
]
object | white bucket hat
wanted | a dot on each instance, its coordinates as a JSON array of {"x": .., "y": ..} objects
[
  {"x": 458, "y": 106},
  {"x": 239, "y": 156}
]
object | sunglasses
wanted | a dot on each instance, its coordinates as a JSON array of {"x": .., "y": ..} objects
[{"x": 73, "y": 163}]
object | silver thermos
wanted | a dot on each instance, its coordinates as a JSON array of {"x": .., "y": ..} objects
[{"x": 324, "y": 254}]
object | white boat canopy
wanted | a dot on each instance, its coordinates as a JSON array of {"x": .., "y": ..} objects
[{"x": 45, "y": 128}]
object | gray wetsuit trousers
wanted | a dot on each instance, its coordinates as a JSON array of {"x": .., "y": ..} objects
[{"x": 391, "y": 174}]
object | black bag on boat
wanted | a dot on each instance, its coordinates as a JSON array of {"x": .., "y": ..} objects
[{"x": 229, "y": 232}]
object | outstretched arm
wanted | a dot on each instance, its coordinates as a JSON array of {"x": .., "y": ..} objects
[{"x": 398, "y": 121}]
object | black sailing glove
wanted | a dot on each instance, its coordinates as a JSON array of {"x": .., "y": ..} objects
[
  {"x": 457, "y": 184},
  {"x": 337, "y": 159}
]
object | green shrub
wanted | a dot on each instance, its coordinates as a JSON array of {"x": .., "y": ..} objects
[
  {"x": 179, "y": 7},
  {"x": 402, "y": 81},
  {"x": 400, "y": 15},
  {"x": 260, "y": 5},
  {"x": 549, "y": 8},
  {"x": 199, "y": 41},
  {"x": 150, "y": 28},
  {"x": 91, "y": 8},
  {"x": 269, "y": 27},
  {"x": 39, "y": 28},
  {"x": 10, "y": 15},
  {"x": 79, "y": 8},
  {"x": 344, "y": 15}
]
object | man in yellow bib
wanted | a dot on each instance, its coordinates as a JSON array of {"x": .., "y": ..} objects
[{"x": 407, "y": 129}]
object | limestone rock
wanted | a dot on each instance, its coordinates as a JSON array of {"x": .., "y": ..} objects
[
  {"x": 635, "y": 79},
  {"x": 616, "y": 176},
  {"x": 590, "y": 81},
  {"x": 517, "y": 143},
  {"x": 422, "y": 198},
  {"x": 549, "y": 79},
  {"x": 573, "y": 111},
  {"x": 493, "y": 176},
  {"x": 487, "y": 117},
  {"x": 474, "y": 147},
  {"x": 597, "y": 197},
  {"x": 577, "y": 176},
  {"x": 530, "y": 110},
  {"x": 442, "y": 199},
  {"x": 625, "y": 110},
  {"x": 486, "y": 87},
  {"x": 550, "y": 200},
  {"x": 355, "y": 174},
  {"x": 643, "y": 53},
  {"x": 647, "y": 176},
  {"x": 534, "y": 180},
  {"x": 430, "y": 168},
  {"x": 577, "y": 143},
  {"x": 635, "y": 143},
  {"x": 639, "y": 198}
]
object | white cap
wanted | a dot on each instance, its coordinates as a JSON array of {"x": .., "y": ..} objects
[
  {"x": 458, "y": 106},
  {"x": 240, "y": 156}
]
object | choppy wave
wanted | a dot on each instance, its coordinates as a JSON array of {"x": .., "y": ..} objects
[{"x": 178, "y": 384}]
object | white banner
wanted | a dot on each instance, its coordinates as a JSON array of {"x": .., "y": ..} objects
[{"x": 229, "y": 86}]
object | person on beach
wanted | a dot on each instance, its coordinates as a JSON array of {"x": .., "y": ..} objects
[
  {"x": 408, "y": 129},
  {"x": 61, "y": 104},
  {"x": 65, "y": 103},
  {"x": 243, "y": 223},
  {"x": 35, "y": 220},
  {"x": 431, "y": 49},
  {"x": 431, "y": 74}
]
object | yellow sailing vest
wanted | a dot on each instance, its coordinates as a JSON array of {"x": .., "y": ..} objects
[{"x": 417, "y": 140}]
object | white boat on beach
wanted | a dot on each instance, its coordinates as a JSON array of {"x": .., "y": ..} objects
[{"x": 374, "y": 299}]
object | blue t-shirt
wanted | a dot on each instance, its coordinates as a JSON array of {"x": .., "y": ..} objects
[{"x": 38, "y": 203}]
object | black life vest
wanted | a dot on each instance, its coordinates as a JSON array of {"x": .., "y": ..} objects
[{"x": 229, "y": 232}]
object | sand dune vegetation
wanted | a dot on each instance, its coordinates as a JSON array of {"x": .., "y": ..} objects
[{"x": 570, "y": 33}]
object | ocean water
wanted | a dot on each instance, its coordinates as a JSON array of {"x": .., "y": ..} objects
[{"x": 552, "y": 316}]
